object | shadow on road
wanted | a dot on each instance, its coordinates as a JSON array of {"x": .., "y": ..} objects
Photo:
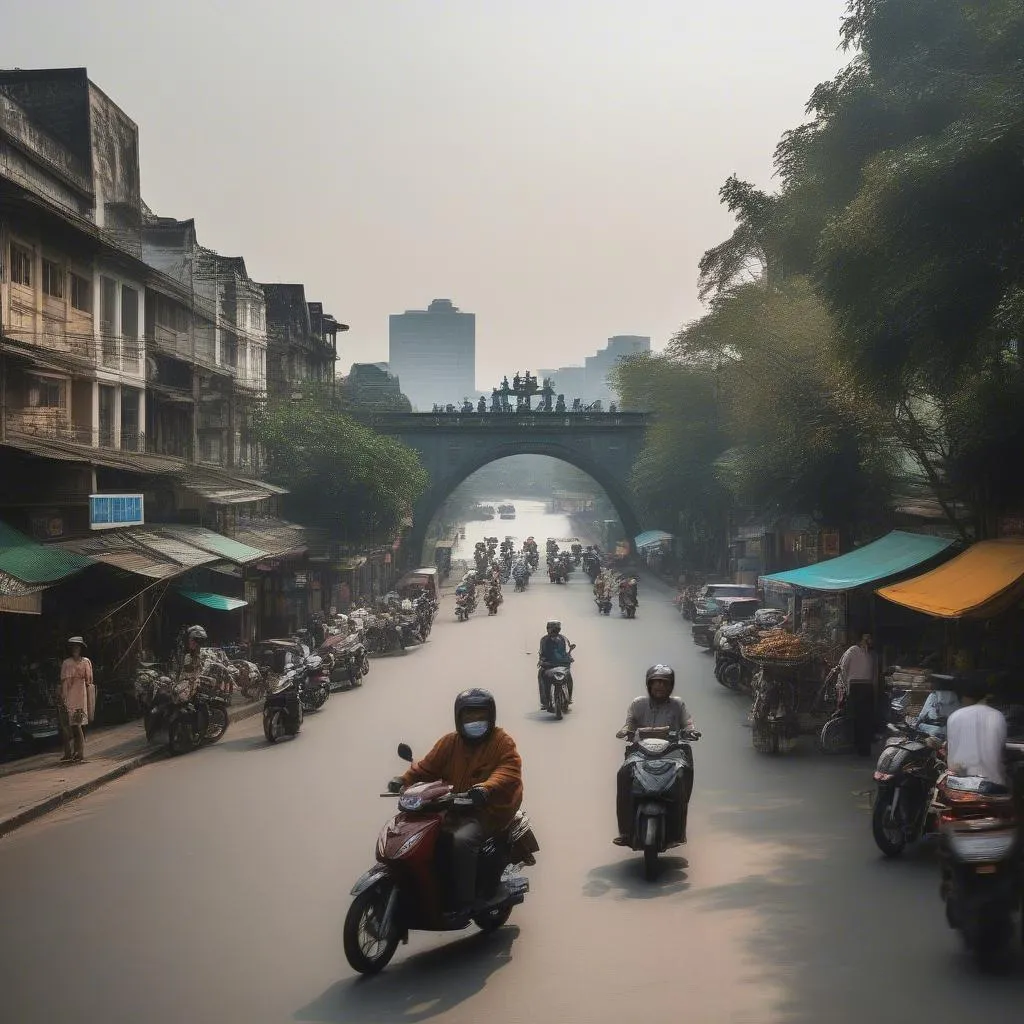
[
  {"x": 624, "y": 879},
  {"x": 417, "y": 987},
  {"x": 843, "y": 934}
]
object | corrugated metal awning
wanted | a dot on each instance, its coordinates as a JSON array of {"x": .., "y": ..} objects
[
  {"x": 275, "y": 536},
  {"x": 19, "y": 598},
  {"x": 32, "y": 563},
  {"x": 118, "y": 548},
  {"x": 171, "y": 547},
  {"x": 216, "y": 543}
]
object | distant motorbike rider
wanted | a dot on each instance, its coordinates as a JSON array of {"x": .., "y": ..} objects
[
  {"x": 192, "y": 662},
  {"x": 481, "y": 759},
  {"x": 662, "y": 712},
  {"x": 628, "y": 588},
  {"x": 554, "y": 651}
]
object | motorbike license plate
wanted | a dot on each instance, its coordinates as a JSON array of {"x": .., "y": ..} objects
[{"x": 986, "y": 869}]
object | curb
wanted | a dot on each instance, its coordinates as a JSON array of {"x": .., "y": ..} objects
[{"x": 44, "y": 807}]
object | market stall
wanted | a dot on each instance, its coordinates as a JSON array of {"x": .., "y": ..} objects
[
  {"x": 970, "y": 610},
  {"x": 829, "y": 604}
]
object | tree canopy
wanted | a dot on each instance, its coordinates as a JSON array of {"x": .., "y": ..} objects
[{"x": 341, "y": 475}]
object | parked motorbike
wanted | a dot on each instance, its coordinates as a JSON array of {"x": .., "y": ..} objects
[
  {"x": 314, "y": 682},
  {"x": 660, "y": 768},
  {"x": 464, "y": 605},
  {"x": 980, "y": 861},
  {"x": 282, "y": 708},
  {"x": 196, "y": 717},
  {"x": 347, "y": 660},
  {"x": 404, "y": 891},
  {"x": 907, "y": 771}
]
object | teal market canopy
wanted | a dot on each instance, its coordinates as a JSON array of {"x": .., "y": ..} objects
[
  {"x": 218, "y": 602},
  {"x": 891, "y": 555},
  {"x": 649, "y": 538}
]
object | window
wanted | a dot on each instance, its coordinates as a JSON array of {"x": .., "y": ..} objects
[
  {"x": 108, "y": 305},
  {"x": 81, "y": 293},
  {"x": 45, "y": 392},
  {"x": 53, "y": 279},
  {"x": 210, "y": 448},
  {"x": 129, "y": 312},
  {"x": 21, "y": 265}
]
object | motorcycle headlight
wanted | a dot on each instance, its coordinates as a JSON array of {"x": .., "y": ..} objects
[
  {"x": 409, "y": 802},
  {"x": 977, "y": 847}
]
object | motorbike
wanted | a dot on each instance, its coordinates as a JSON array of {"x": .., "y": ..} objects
[
  {"x": 521, "y": 576},
  {"x": 658, "y": 766},
  {"x": 730, "y": 669},
  {"x": 627, "y": 604},
  {"x": 314, "y": 682},
  {"x": 980, "y": 861},
  {"x": 906, "y": 774},
  {"x": 492, "y": 599},
  {"x": 557, "y": 572},
  {"x": 464, "y": 605},
  {"x": 533, "y": 559},
  {"x": 406, "y": 889},
  {"x": 282, "y": 708},
  {"x": 604, "y": 604},
  {"x": 560, "y": 678},
  {"x": 196, "y": 717},
  {"x": 348, "y": 661}
]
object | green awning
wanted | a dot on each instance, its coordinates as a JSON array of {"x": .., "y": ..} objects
[
  {"x": 218, "y": 602},
  {"x": 215, "y": 543},
  {"x": 29, "y": 562},
  {"x": 889, "y": 556}
]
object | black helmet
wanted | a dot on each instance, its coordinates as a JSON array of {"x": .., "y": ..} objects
[
  {"x": 475, "y": 699},
  {"x": 666, "y": 672},
  {"x": 554, "y": 624}
]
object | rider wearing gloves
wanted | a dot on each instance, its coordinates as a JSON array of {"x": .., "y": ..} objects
[
  {"x": 554, "y": 650},
  {"x": 661, "y": 711},
  {"x": 482, "y": 759}
]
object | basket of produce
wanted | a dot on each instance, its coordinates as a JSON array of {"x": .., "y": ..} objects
[{"x": 779, "y": 649}]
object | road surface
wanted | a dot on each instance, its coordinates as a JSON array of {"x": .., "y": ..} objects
[{"x": 213, "y": 888}]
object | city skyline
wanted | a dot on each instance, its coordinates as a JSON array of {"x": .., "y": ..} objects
[{"x": 554, "y": 165}]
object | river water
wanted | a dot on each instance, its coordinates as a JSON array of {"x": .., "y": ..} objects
[{"x": 532, "y": 520}]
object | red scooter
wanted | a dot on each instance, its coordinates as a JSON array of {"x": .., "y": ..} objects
[{"x": 405, "y": 890}]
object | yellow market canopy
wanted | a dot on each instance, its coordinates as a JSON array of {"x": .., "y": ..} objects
[{"x": 982, "y": 581}]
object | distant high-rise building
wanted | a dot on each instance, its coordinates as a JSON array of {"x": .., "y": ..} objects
[
  {"x": 590, "y": 381},
  {"x": 433, "y": 353}
]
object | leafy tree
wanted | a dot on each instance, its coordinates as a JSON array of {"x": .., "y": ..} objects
[{"x": 340, "y": 475}]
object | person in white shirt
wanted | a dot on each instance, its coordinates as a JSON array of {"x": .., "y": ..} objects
[
  {"x": 857, "y": 675},
  {"x": 976, "y": 736}
]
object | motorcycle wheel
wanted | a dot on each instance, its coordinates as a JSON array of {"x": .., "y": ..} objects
[
  {"x": 180, "y": 739},
  {"x": 273, "y": 725},
  {"x": 630, "y": 613},
  {"x": 317, "y": 699},
  {"x": 730, "y": 675},
  {"x": 889, "y": 836},
  {"x": 650, "y": 863},
  {"x": 836, "y": 736},
  {"x": 218, "y": 725},
  {"x": 990, "y": 943},
  {"x": 254, "y": 690},
  {"x": 365, "y": 951},
  {"x": 492, "y": 920},
  {"x": 559, "y": 703}
]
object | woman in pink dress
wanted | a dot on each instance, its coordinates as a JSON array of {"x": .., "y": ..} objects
[{"x": 75, "y": 679}]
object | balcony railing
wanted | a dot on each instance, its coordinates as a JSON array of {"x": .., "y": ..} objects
[
  {"x": 56, "y": 427},
  {"x": 109, "y": 352}
]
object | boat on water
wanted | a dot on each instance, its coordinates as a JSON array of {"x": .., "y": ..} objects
[{"x": 507, "y": 511}]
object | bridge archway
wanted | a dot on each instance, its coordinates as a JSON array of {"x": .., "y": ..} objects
[{"x": 439, "y": 490}]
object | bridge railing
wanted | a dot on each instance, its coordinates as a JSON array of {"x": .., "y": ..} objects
[{"x": 504, "y": 421}]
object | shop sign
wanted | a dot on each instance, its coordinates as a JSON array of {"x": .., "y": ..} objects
[
  {"x": 110, "y": 511},
  {"x": 301, "y": 580},
  {"x": 46, "y": 527},
  {"x": 1011, "y": 526}
]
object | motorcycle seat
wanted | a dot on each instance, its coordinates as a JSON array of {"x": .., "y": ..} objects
[{"x": 975, "y": 784}]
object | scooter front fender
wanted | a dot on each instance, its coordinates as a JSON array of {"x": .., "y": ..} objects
[{"x": 369, "y": 878}]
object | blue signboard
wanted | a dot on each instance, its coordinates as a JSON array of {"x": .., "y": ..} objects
[{"x": 107, "y": 511}]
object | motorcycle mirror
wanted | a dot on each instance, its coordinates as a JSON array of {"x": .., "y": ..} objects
[{"x": 405, "y": 752}]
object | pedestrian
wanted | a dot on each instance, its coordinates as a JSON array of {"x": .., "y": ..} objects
[
  {"x": 857, "y": 675},
  {"x": 73, "y": 704}
]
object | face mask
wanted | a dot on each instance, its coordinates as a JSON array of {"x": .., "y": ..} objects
[{"x": 475, "y": 730}]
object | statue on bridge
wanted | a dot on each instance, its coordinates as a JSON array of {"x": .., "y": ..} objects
[
  {"x": 467, "y": 407},
  {"x": 481, "y": 406},
  {"x": 560, "y": 404}
]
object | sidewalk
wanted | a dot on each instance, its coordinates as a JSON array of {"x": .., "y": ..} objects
[{"x": 34, "y": 786}]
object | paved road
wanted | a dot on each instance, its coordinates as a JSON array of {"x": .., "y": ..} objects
[{"x": 213, "y": 888}]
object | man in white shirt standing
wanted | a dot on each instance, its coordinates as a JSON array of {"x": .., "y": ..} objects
[
  {"x": 976, "y": 735},
  {"x": 857, "y": 676}
]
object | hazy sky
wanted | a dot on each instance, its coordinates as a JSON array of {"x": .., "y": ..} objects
[{"x": 550, "y": 165}]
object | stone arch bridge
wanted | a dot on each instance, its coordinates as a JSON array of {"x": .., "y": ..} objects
[{"x": 452, "y": 446}]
